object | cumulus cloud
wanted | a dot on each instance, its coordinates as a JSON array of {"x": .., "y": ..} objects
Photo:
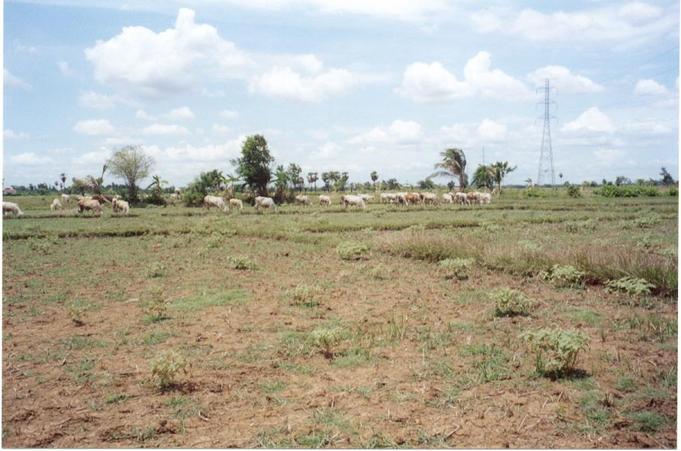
[
  {"x": 432, "y": 82},
  {"x": 182, "y": 113},
  {"x": 165, "y": 129},
  {"x": 285, "y": 83},
  {"x": 13, "y": 81},
  {"x": 153, "y": 64},
  {"x": 650, "y": 87},
  {"x": 91, "y": 99},
  {"x": 474, "y": 134},
  {"x": 11, "y": 134},
  {"x": 94, "y": 127},
  {"x": 563, "y": 79},
  {"x": 398, "y": 132},
  {"x": 591, "y": 120},
  {"x": 30, "y": 159},
  {"x": 141, "y": 114},
  {"x": 229, "y": 114},
  {"x": 633, "y": 21}
]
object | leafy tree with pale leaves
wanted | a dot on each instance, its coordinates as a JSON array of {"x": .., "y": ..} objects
[{"x": 131, "y": 164}]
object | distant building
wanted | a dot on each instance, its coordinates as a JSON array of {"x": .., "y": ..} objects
[{"x": 9, "y": 191}]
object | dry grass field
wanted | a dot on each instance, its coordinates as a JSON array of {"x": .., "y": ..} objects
[{"x": 314, "y": 327}]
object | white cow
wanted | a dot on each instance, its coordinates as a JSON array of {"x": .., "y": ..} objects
[
  {"x": 447, "y": 198},
  {"x": 388, "y": 198},
  {"x": 324, "y": 200},
  {"x": 265, "y": 202},
  {"x": 352, "y": 200},
  {"x": 120, "y": 206},
  {"x": 236, "y": 203},
  {"x": 302, "y": 199},
  {"x": 56, "y": 205},
  {"x": 429, "y": 198},
  {"x": 215, "y": 201},
  {"x": 485, "y": 198},
  {"x": 366, "y": 197},
  {"x": 461, "y": 198},
  {"x": 11, "y": 207}
]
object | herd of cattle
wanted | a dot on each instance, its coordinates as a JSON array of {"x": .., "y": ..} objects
[{"x": 94, "y": 203}]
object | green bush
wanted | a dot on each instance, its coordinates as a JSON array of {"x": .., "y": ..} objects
[
  {"x": 166, "y": 367},
  {"x": 563, "y": 276},
  {"x": 574, "y": 191},
  {"x": 156, "y": 307},
  {"x": 325, "y": 338},
  {"x": 673, "y": 191},
  {"x": 509, "y": 302},
  {"x": 630, "y": 285},
  {"x": 456, "y": 268},
  {"x": 555, "y": 350},
  {"x": 627, "y": 191},
  {"x": 304, "y": 296},
  {"x": 352, "y": 250}
]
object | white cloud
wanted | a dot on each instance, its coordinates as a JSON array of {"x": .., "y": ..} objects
[
  {"x": 326, "y": 152},
  {"x": 563, "y": 79},
  {"x": 14, "y": 81},
  {"x": 607, "y": 155},
  {"x": 633, "y": 21},
  {"x": 154, "y": 64},
  {"x": 65, "y": 69},
  {"x": 182, "y": 113},
  {"x": 188, "y": 152},
  {"x": 222, "y": 129},
  {"x": 228, "y": 114},
  {"x": 423, "y": 82},
  {"x": 141, "y": 114},
  {"x": 650, "y": 88},
  {"x": 165, "y": 129},
  {"x": 490, "y": 130},
  {"x": 30, "y": 159},
  {"x": 91, "y": 99},
  {"x": 285, "y": 83},
  {"x": 398, "y": 132},
  {"x": 591, "y": 120},
  {"x": 94, "y": 127},
  {"x": 11, "y": 134},
  {"x": 92, "y": 158}
]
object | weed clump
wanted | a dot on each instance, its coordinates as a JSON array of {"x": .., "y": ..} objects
[
  {"x": 156, "y": 269},
  {"x": 456, "y": 268},
  {"x": 166, "y": 367},
  {"x": 563, "y": 276},
  {"x": 304, "y": 296},
  {"x": 242, "y": 263},
  {"x": 509, "y": 302},
  {"x": 352, "y": 250},
  {"x": 156, "y": 307},
  {"x": 555, "y": 350},
  {"x": 326, "y": 338},
  {"x": 630, "y": 285}
]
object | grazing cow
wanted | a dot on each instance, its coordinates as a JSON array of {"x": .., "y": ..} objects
[
  {"x": 11, "y": 207},
  {"x": 352, "y": 200},
  {"x": 265, "y": 202},
  {"x": 485, "y": 198},
  {"x": 56, "y": 205},
  {"x": 120, "y": 206},
  {"x": 429, "y": 198},
  {"x": 409, "y": 198},
  {"x": 447, "y": 198},
  {"x": 302, "y": 199},
  {"x": 236, "y": 203},
  {"x": 388, "y": 198},
  {"x": 215, "y": 201},
  {"x": 91, "y": 205},
  {"x": 461, "y": 198},
  {"x": 324, "y": 200},
  {"x": 366, "y": 197},
  {"x": 65, "y": 198},
  {"x": 473, "y": 197}
]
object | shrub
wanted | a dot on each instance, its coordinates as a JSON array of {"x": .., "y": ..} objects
[
  {"x": 574, "y": 191},
  {"x": 630, "y": 285},
  {"x": 166, "y": 367},
  {"x": 555, "y": 350},
  {"x": 242, "y": 263},
  {"x": 352, "y": 250},
  {"x": 156, "y": 269},
  {"x": 510, "y": 302},
  {"x": 380, "y": 272},
  {"x": 156, "y": 308},
  {"x": 563, "y": 276},
  {"x": 76, "y": 310},
  {"x": 673, "y": 191},
  {"x": 456, "y": 267},
  {"x": 325, "y": 338},
  {"x": 626, "y": 191},
  {"x": 304, "y": 296}
]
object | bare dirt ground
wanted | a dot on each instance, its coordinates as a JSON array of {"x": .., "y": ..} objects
[{"x": 421, "y": 360}]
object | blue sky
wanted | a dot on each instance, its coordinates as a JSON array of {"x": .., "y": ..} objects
[{"x": 343, "y": 85}]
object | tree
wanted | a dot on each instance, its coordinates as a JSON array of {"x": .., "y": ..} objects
[
  {"x": 341, "y": 181},
  {"x": 254, "y": 165},
  {"x": 499, "y": 171},
  {"x": 62, "y": 177},
  {"x": 667, "y": 179},
  {"x": 294, "y": 177},
  {"x": 622, "y": 180},
  {"x": 484, "y": 177},
  {"x": 392, "y": 184},
  {"x": 131, "y": 164},
  {"x": 374, "y": 177},
  {"x": 156, "y": 186},
  {"x": 453, "y": 164},
  {"x": 281, "y": 180},
  {"x": 326, "y": 178},
  {"x": 426, "y": 184},
  {"x": 312, "y": 177}
]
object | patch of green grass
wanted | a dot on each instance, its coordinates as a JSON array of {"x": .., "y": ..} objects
[
  {"x": 242, "y": 263},
  {"x": 585, "y": 316},
  {"x": 294, "y": 368},
  {"x": 625, "y": 384},
  {"x": 509, "y": 302},
  {"x": 594, "y": 406},
  {"x": 352, "y": 250},
  {"x": 352, "y": 357},
  {"x": 647, "y": 421},
  {"x": 490, "y": 361},
  {"x": 315, "y": 439},
  {"x": 81, "y": 372},
  {"x": 155, "y": 337},
  {"x": 456, "y": 268},
  {"x": 183, "y": 407},
  {"x": 115, "y": 398},
  {"x": 272, "y": 386},
  {"x": 78, "y": 342},
  {"x": 205, "y": 299},
  {"x": 304, "y": 296}
]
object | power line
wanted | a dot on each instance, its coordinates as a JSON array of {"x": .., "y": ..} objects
[{"x": 546, "y": 149}]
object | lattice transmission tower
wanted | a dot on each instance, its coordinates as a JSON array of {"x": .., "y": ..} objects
[{"x": 546, "y": 149}]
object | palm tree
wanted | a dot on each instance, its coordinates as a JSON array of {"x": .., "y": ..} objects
[
  {"x": 312, "y": 177},
  {"x": 453, "y": 164},
  {"x": 374, "y": 177},
  {"x": 62, "y": 177},
  {"x": 484, "y": 176},
  {"x": 499, "y": 171}
]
